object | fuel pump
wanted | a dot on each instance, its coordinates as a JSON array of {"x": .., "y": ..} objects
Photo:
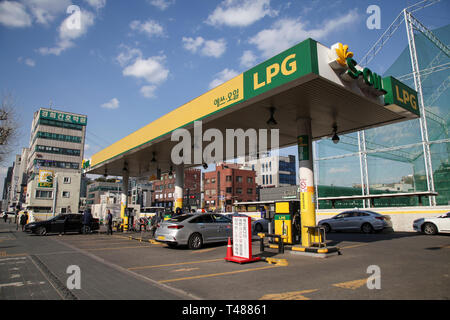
[{"x": 287, "y": 221}]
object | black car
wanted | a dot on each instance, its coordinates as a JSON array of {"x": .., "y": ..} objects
[{"x": 62, "y": 223}]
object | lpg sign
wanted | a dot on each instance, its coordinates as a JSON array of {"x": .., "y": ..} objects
[{"x": 291, "y": 64}]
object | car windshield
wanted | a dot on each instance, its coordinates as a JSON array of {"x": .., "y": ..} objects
[{"x": 180, "y": 218}]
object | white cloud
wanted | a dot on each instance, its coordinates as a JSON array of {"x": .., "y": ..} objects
[
  {"x": 111, "y": 104},
  {"x": 96, "y": 4},
  {"x": 46, "y": 11},
  {"x": 150, "y": 69},
  {"x": 149, "y": 27},
  {"x": 148, "y": 91},
  {"x": 286, "y": 32},
  {"x": 238, "y": 13},
  {"x": 223, "y": 76},
  {"x": 162, "y": 4},
  {"x": 13, "y": 14},
  {"x": 248, "y": 59},
  {"x": 209, "y": 48},
  {"x": 68, "y": 33},
  {"x": 125, "y": 57},
  {"x": 28, "y": 61}
]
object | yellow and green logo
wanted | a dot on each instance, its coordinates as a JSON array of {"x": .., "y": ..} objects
[{"x": 343, "y": 53}]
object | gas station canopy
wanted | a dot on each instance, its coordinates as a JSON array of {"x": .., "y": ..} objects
[{"x": 308, "y": 80}]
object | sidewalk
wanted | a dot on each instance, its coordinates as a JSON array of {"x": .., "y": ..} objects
[{"x": 44, "y": 262}]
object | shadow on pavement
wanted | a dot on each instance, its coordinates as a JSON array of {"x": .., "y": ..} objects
[{"x": 335, "y": 238}]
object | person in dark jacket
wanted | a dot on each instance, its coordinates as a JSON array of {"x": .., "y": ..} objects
[
  {"x": 109, "y": 222},
  {"x": 23, "y": 220},
  {"x": 87, "y": 220}
]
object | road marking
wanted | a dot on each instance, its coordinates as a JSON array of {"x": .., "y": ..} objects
[
  {"x": 204, "y": 250},
  {"x": 103, "y": 244},
  {"x": 117, "y": 248},
  {"x": 174, "y": 264},
  {"x": 20, "y": 284},
  {"x": 9, "y": 259},
  {"x": 293, "y": 295},
  {"x": 185, "y": 269},
  {"x": 217, "y": 274},
  {"x": 352, "y": 285},
  {"x": 355, "y": 246}
]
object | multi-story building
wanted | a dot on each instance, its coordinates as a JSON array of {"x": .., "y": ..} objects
[
  {"x": 14, "y": 190},
  {"x": 274, "y": 171},
  {"x": 98, "y": 188},
  {"x": 229, "y": 183},
  {"x": 163, "y": 190},
  {"x": 6, "y": 189},
  {"x": 54, "y": 161}
]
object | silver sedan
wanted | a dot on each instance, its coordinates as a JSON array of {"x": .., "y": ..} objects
[
  {"x": 194, "y": 230},
  {"x": 357, "y": 220}
]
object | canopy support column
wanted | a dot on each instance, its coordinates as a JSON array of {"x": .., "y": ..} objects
[
  {"x": 179, "y": 183},
  {"x": 306, "y": 175}
]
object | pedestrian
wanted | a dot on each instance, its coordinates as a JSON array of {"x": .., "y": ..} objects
[
  {"x": 87, "y": 219},
  {"x": 5, "y": 216},
  {"x": 69, "y": 210},
  {"x": 178, "y": 211},
  {"x": 109, "y": 222},
  {"x": 23, "y": 220}
]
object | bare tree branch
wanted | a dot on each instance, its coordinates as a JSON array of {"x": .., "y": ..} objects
[{"x": 9, "y": 127}]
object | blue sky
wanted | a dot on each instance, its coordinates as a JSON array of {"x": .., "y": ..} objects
[{"x": 130, "y": 62}]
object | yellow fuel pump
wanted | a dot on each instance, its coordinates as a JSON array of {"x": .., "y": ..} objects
[{"x": 287, "y": 219}]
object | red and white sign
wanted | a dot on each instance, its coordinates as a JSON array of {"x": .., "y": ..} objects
[{"x": 242, "y": 241}]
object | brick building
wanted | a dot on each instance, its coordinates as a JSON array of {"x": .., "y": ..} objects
[
  {"x": 227, "y": 184},
  {"x": 163, "y": 190}
]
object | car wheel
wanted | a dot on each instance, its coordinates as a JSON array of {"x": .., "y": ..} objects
[
  {"x": 327, "y": 227},
  {"x": 367, "y": 228},
  {"x": 195, "y": 241},
  {"x": 86, "y": 229},
  {"x": 429, "y": 229},
  {"x": 258, "y": 228},
  {"x": 42, "y": 231}
]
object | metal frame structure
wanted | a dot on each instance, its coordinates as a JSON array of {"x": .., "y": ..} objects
[{"x": 366, "y": 147}]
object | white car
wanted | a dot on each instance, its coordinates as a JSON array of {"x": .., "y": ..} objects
[{"x": 435, "y": 225}]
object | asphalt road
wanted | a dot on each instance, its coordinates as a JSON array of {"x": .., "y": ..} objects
[{"x": 410, "y": 265}]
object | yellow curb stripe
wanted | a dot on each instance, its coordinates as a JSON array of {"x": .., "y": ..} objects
[
  {"x": 174, "y": 264},
  {"x": 294, "y": 295},
  {"x": 117, "y": 248},
  {"x": 217, "y": 274},
  {"x": 352, "y": 285}
]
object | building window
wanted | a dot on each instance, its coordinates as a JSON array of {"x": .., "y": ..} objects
[
  {"x": 229, "y": 190},
  {"x": 239, "y": 190},
  {"x": 66, "y": 194},
  {"x": 44, "y": 194},
  {"x": 249, "y": 191},
  {"x": 213, "y": 180},
  {"x": 270, "y": 179},
  {"x": 228, "y": 178},
  {"x": 249, "y": 179},
  {"x": 238, "y": 179},
  {"x": 264, "y": 179},
  {"x": 67, "y": 180}
]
